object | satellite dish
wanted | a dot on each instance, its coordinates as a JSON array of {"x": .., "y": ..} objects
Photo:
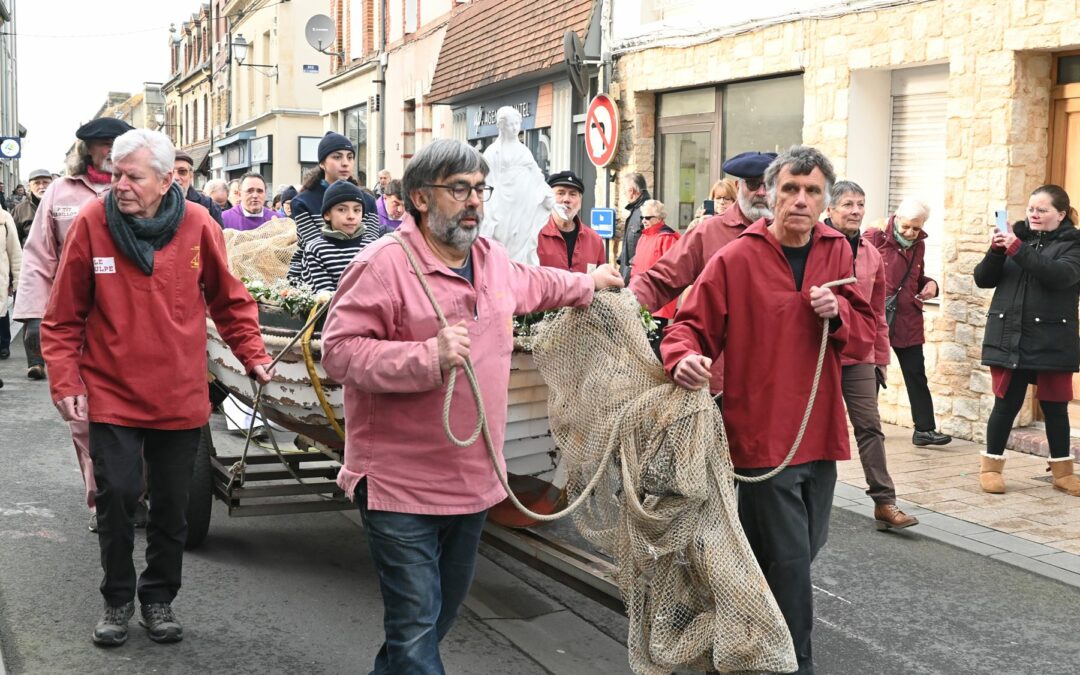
[
  {"x": 321, "y": 33},
  {"x": 574, "y": 52}
]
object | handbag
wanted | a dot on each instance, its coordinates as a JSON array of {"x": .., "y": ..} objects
[{"x": 893, "y": 300}]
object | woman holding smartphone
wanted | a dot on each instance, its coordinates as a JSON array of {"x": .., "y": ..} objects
[{"x": 1032, "y": 334}]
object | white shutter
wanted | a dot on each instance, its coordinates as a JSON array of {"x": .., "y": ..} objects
[{"x": 917, "y": 164}]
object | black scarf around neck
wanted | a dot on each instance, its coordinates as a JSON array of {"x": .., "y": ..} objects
[{"x": 138, "y": 238}]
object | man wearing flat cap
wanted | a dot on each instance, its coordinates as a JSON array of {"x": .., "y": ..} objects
[
  {"x": 565, "y": 242},
  {"x": 680, "y": 266},
  {"x": 27, "y": 208},
  {"x": 184, "y": 175},
  {"x": 89, "y": 175}
]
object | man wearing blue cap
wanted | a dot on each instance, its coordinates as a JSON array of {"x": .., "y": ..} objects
[{"x": 680, "y": 266}]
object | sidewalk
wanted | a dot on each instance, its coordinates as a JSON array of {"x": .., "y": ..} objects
[{"x": 1032, "y": 526}]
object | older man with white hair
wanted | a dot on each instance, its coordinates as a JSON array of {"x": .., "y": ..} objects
[{"x": 140, "y": 270}]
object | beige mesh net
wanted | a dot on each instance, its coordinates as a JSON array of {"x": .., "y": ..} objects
[
  {"x": 665, "y": 509},
  {"x": 262, "y": 254}
]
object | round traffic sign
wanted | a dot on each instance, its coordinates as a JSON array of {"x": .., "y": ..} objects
[{"x": 601, "y": 130}]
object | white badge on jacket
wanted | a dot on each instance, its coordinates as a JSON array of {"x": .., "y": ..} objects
[{"x": 104, "y": 266}]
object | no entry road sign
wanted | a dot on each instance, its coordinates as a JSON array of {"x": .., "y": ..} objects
[{"x": 601, "y": 130}]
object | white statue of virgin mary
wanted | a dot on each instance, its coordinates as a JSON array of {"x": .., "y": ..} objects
[{"x": 522, "y": 200}]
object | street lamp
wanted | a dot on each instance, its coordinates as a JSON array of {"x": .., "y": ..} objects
[
  {"x": 240, "y": 50},
  {"x": 159, "y": 118}
]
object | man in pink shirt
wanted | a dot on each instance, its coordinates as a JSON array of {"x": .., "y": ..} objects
[{"x": 423, "y": 499}]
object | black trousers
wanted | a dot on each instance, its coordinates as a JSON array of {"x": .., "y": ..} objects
[
  {"x": 1005, "y": 410},
  {"x": 913, "y": 366},
  {"x": 786, "y": 520},
  {"x": 5, "y": 329},
  {"x": 118, "y": 454}
]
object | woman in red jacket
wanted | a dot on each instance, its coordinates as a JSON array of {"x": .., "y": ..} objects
[
  {"x": 656, "y": 239},
  {"x": 903, "y": 249}
]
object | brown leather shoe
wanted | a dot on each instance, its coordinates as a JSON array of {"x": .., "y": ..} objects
[{"x": 890, "y": 517}]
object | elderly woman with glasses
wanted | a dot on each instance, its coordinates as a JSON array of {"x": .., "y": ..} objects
[{"x": 656, "y": 239}]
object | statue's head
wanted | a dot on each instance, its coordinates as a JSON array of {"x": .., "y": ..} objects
[{"x": 508, "y": 120}]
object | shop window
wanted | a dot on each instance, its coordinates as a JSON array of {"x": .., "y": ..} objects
[
  {"x": 699, "y": 128},
  {"x": 1068, "y": 69}
]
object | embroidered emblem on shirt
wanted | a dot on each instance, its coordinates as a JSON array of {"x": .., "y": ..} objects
[
  {"x": 195, "y": 260},
  {"x": 65, "y": 211},
  {"x": 104, "y": 266}
]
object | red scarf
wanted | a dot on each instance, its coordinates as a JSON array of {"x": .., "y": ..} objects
[{"x": 98, "y": 177}]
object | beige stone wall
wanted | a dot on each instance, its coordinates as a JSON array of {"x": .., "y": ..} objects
[{"x": 999, "y": 57}]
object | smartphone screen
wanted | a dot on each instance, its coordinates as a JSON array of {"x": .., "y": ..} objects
[
  {"x": 1002, "y": 221},
  {"x": 710, "y": 208}
]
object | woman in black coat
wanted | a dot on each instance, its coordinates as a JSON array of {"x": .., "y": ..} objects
[{"x": 1032, "y": 335}]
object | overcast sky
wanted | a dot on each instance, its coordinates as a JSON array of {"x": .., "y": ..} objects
[{"x": 71, "y": 53}]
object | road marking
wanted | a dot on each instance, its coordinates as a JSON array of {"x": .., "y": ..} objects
[
  {"x": 27, "y": 509},
  {"x": 832, "y": 595}
]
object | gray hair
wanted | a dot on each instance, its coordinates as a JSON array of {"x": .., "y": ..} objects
[
  {"x": 441, "y": 158},
  {"x": 800, "y": 160},
  {"x": 841, "y": 188},
  {"x": 384, "y": 172},
  {"x": 393, "y": 188},
  {"x": 637, "y": 180},
  {"x": 162, "y": 152},
  {"x": 657, "y": 207},
  {"x": 215, "y": 184},
  {"x": 912, "y": 209}
]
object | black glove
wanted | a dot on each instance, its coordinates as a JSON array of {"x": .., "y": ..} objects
[
  {"x": 880, "y": 377},
  {"x": 32, "y": 336}
]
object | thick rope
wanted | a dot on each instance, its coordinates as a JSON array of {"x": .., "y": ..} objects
[
  {"x": 810, "y": 403},
  {"x": 316, "y": 381},
  {"x": 481, "y": 416}
]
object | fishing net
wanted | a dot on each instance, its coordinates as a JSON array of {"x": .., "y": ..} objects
[
  {"x": 665, "y": 509},
  {"x": 262, "y": 254}
]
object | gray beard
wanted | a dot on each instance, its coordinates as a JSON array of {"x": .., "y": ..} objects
[
  {"x": 754, "y": 213},
  {"x": 106, "y": 166},
  {"x": 448, "y": 231}
]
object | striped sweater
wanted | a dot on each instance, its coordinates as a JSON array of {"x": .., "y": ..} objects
[{"x": 325, "y": 259}]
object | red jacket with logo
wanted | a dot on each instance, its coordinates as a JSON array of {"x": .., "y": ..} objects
[
  {"x": 551, "y": 247},
  {"x": 745, "y": 306},
  {"x": 134, "y": 344}
]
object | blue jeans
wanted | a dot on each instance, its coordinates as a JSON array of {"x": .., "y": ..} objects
[{"x": 425, "y": 566}]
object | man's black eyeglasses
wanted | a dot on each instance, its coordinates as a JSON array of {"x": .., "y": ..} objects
[{"x": 461, "y": 191}]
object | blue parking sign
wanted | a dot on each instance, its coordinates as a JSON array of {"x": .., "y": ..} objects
[{"x": 602, "y": 222}]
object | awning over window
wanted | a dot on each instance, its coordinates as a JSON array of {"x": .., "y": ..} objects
[{"x": 496, "y": 40}]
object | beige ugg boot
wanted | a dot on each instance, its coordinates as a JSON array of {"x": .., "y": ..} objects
[
  {"x": 1064, "y": 479},
  {"x": 990, "y": 478}
]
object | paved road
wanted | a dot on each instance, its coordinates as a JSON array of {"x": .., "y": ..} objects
[{"x": 297, "y": 593}]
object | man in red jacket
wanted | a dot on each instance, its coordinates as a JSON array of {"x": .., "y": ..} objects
[
  {"x": 139, "y": 271},
  {"x": 679, "y": 267},
  {"x": 760, "y": 301},
  {"x": 565, "y": 242}
]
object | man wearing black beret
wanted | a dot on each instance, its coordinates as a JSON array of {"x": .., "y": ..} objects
[
  {"x": 565, "y": 242},
  {"x": 89, "y": 169},
  {"x": 680, "y": 266}
]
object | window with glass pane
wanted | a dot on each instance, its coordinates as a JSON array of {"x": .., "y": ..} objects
[
  {"x": 356, "y": 131},
  {"x": 685, "y": 171},
  {"x": 765, "y": 115},
  {"x": 692, "y": 102}
]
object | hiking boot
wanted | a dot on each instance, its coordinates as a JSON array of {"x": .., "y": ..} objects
[
  {"x": 932, "y": 437},
  {"x": 160, "y": 622},
  {"x": 141, "y": 514},
  {"x": 890, "y": 517},
  {"x": 36, "y": 372},
  {"x": 112, "y": 630}
]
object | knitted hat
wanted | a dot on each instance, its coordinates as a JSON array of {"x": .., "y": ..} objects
[
  {"x": 287, "y": 194},
  {"x": 332, "y": 142},
  {"x": 341, "y": 191}
]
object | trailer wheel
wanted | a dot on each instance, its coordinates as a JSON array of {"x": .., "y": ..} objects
[{"x": 201, "y": 494}]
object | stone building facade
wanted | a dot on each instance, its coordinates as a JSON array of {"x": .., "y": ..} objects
[{"x": 998, "y": 61}]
